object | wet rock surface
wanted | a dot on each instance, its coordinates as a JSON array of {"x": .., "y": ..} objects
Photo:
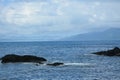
[
  {"x": 112, "y": 52},
  {"x": 55, "y": 64},
  {"x": 13, "y": 58}
]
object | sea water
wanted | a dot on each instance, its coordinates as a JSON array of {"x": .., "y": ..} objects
[{"x": 79, "y": 63}]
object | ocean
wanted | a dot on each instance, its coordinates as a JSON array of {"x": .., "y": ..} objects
[{"x": 79, "y": 63}]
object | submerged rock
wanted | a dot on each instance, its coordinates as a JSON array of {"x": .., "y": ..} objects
[
  {"x": 112, "y": 52},
  {"x": 55, "y": 64},
  {"x": 12, "y": 58}
]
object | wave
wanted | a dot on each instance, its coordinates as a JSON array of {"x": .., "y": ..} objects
[
  {"x": 79, "y": 64},
  {"x": 65, "y": 64}
]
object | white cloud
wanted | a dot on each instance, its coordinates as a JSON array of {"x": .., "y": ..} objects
[
  {"x": 40, "y": 12},
  {"x": 57, "y": 16}
]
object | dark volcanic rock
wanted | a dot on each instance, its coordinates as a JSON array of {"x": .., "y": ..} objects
[
  {"x": 113, "y": 52},
  {"x": 12, "y": 58},
  {"x": 56, "y": 64}
]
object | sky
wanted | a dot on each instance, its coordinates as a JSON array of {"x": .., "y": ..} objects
[{"x": 44, "y": 20}]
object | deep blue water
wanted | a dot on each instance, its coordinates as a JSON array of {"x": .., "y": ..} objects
[{"x": 80, "y": 64}]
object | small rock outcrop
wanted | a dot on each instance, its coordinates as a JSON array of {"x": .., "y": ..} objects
[
  {"x": 112, "y": 52},
  {"x": 12, "y": 58},
  {"x": 55, "y": 64}
]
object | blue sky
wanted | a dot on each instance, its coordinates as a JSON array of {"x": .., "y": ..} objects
[{"x": 55, "y": 19}]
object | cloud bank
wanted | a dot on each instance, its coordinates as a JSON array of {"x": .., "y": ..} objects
[{"x": 54, "y": 19}]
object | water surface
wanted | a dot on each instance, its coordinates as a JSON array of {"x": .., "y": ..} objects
[{"x": 80, "y": 64}]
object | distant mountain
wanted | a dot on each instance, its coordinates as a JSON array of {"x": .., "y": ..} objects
[{"x": 110, "y": 34}]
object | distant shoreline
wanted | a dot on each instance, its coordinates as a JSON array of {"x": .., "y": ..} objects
[{"x": 58, "y": 41}]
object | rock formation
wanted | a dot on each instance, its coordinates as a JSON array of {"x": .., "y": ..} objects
[
  {"x": 56, "y": 64},
  {"x": 112, "y": 52},
  {"x": 12, "y": 58}
]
